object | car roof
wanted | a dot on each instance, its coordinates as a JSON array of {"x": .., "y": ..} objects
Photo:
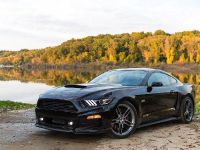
[
  {"x": 145, "y": 69},
  {"x": 142, "y": 69}
]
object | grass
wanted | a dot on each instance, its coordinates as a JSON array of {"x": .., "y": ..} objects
[
  {"x": 6, "y": 105},
  {"x": 197, "y": 109}
]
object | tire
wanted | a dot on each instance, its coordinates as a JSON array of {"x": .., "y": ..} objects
[
  {"x": 187, "y": 110},
  {"x": 124, "y": 121}
]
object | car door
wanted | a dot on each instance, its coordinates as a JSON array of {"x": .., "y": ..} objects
[{"x": 160, "y": 101}]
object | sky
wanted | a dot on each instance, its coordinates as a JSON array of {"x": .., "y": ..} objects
[{"x": 41, "y": 23}]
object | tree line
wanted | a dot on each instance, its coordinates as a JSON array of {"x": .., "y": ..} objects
[{"x": 136, "y": 47}]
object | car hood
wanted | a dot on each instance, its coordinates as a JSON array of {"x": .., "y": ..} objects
[{"x": 76, "y": 91}]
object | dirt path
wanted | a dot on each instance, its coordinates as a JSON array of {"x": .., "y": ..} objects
[{"x": 17, "y": 131}]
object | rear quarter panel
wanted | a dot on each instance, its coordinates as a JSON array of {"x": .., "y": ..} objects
[{"x": 187, "y": 90}]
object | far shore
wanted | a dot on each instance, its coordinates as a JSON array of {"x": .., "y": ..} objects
[
  {"x": 179, "y": 68},
  {"x": 6, "y": 66}
]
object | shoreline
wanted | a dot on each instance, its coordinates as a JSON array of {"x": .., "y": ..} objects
[
  {"x": 7, "y": 105},
  {"x": 18, "y": 132},
  {"x": 179, "y": 68}
]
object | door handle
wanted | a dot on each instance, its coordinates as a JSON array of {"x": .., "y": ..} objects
[{"x": 172, "y": 91}]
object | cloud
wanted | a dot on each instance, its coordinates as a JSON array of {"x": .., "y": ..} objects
[{"x": 42, "y": 23}]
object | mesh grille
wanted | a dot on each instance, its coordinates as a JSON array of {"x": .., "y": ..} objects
[{"x": 56, "y": 105}]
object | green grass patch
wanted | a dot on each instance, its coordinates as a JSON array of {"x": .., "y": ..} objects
[
  {"x": 197, "y": 109},
  {"x": 9, "y": 105}
]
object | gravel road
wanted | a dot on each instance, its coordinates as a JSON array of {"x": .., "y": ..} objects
[{"x": 17, "y": 131}]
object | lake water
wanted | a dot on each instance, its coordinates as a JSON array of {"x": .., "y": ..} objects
[{"x": 26, "y": 85}]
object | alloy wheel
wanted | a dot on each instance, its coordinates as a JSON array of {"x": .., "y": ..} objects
[
  {"x": 188, "y": 113},
  {"x": 124, "y": 120}
]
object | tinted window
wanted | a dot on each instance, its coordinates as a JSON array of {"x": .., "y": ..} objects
[
  {"x": 123, "y": 77},
  {"x": 159, "y": 77}
]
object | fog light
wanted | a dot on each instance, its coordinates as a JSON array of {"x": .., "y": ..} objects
[
  {"x": 93, "y": 117},
  {"x": 41, "y": 119},
  {"x": 70, "y": 123}
]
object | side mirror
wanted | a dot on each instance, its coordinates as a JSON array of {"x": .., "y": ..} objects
[
  {"x": 154, "y": 84},
  {"x": 157, "y": 84}
]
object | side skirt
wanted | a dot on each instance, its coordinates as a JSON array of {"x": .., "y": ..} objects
[{"x": 159, "y": 121}]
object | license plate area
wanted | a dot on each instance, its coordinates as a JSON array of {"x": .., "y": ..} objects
[{"x": 59, "y": 121}]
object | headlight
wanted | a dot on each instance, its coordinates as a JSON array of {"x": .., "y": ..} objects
[
  {"x": 93, "y": 103},
  {"x": 105, "y": 101}
]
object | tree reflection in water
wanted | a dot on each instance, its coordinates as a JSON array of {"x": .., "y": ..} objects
[{"x": 63, "y": 77}]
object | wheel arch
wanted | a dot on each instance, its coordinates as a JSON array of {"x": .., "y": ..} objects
[
  {"x": 192, "y": 97},
  {"x": 182, "y": 106},
  {"x": 183, "y": 97},
  {"x": 189, "y": 95},
  {"x": 133, "y": 101}
]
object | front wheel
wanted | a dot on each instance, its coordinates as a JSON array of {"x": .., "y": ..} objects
[
  {"x": 124, "y": 120},
  {"x": 187, "y": 110}
]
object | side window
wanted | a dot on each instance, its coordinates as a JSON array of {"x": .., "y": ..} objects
[
  {"x": 172, "y": 80},
  {"x": 159, "y": 77}
]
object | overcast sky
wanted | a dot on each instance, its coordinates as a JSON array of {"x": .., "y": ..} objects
[{"x": 41, "y": 23}]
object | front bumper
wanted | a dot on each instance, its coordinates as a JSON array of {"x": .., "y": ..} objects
[{"x": 59, "y": 121}]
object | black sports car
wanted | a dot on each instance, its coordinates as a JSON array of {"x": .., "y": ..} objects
[{"x": 116, "y": 102}]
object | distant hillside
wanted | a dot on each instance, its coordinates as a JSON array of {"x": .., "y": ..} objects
[{"x": 137, "y": 47}]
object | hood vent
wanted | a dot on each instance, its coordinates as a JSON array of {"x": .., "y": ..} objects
[{"x": 76, "y": 86}]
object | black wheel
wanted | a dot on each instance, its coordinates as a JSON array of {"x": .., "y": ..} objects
[
  {"x": 124, "y": 120},
  {"x": 187, "y": 110}
]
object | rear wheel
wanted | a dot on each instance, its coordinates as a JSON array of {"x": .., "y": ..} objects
[
  {"x": 187, "y": 110},
  {"x": 124, "y": 120}
]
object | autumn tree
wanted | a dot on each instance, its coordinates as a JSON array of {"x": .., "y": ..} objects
[{"x": 136, "y": 47}]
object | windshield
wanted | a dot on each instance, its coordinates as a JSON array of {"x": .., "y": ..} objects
[{"x": 123, "y": 77}]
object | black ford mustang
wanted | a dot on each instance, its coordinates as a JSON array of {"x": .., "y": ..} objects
[{"x": 117, "y": 102}]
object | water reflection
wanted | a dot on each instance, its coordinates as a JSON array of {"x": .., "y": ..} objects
[
  {"x": 26, "y": 85},
  {"x": 22, "y": 92}
]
